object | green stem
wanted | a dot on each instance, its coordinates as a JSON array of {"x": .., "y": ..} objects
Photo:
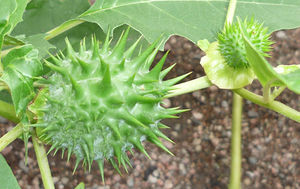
[
  {"x": 9, "y": 137},
  {"x": 62, "y": 28},
  {"x": 41, "y": 156},
  {"x": 236, "y": 152},
  {"x": 52, "y": 33},
  {"x": 277, "y": 92},
  {"x": 273, "y": 105},
  {"x": 8, "y": 111},
  {"x": 189, "y": 86},
  {"x": 230, "y": 11}
]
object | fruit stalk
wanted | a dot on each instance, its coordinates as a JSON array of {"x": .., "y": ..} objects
[
  {"x": 41, "y": 156},
  {"x": 236, "y": 154}
]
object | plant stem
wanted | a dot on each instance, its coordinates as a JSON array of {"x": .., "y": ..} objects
[
  {"x": 10, "y": 136},
  {"x": 273, "y": 105},
  {"x": 41, "y": 156},
  {"x": 62, "y": 28},
  {"x": 277, "y": 92},
  {"x": 230, "y": 11},
  {"x": 52, "y": 33},
  {"x": 8, "y": 111},
  {"x": 236, "y": 152},
  {"x": 189, "y": 86}
]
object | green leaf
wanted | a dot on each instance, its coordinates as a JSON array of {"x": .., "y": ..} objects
[
  {"x": 80, "y": 186},
  {"x": 43, "y": 15},
  {"x": 7, "y": 178},
  {"x": 38, "y": 41},
  {"x": 10, "y": 15},
  {"x": 265, "y": 73},
  {"x": 189, "y": 18},
  {"x": 20, "y": 67}
]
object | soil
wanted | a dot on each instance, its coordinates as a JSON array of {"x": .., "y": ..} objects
[{"x": 271, "y": 142}]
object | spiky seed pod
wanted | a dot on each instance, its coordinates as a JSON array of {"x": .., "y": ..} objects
[
  {"x": 100, "y": 103},
  {"x": 231, "y": 43},
  {"x": 225, "y": 63}
]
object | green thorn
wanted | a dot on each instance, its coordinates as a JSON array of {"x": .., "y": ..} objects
[
  {"x": 131, "y": 49},
  {"x": 90, "y": 144},
  {"x": 122, "y": 64},
  {"x": 58, "y": 69},
  {"x": 150, "y": 59},
  {"x": 118, "y": 51},
  {"x": 131, "y": 119},
  {"x": 162, "y": 126},
  {"x": 69, "y": 153},
  {"x": 160, "y": 134},
  {"x": 118, "y": 153},
  {"x": 138, "y": 61},
  {"x": 87, "y": 154},
  {"x": 127, "y": 159},
  {"x": 130, "y": 150},
  {"x": 50, "y": 135},
  {"x": 56, "y": 150},
  {"x": 159, "y": 144},
  {"x": 79, "y": 91},
  {"x": 146, "y": 99},
  {"x": 76, "y": 165},
  {"x": 130, "y": 80},
  {"x": 55, "y": 60},
  {"x": 101, "y": 168},
  {"x": 115, "y": 129},
  {"x": 95, "y": 45},
  {"x": 175, "y": 80},
  {"x": 62, "y": 55},
  {"x": 139, "y": 146},
  {"x": 50, "y": 128},
  {"x": 82, "y": 47},
  {"x": 155, "y": 72},
  {"x": 52, "y": 147},
  {"x": 106, "y": 81},
  {"x": 39, "y": 125},
  {"x": 70, "y": 50},
  {"x": 62, "y": 153},
  {"x": 105, "y": 46},
  {"x": 166, "y": 116},
  {"x": 124, "y": 165},
  {"x": 115, "y": 165}
]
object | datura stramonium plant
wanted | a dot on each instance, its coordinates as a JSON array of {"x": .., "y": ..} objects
[
  {"x": 101, "y": 103},
  {"x": 225, "y": 63}
]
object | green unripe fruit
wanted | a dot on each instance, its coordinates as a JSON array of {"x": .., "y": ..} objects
[
  {"x": 231, "y": 43},
  {"x": 100, "y": 103}
]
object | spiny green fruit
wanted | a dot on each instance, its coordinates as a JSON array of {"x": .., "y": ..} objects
[
  {"x": 101, "y": 103},
  {"x": 231, "y": 43},
  {"x": 225, "y": 63}
]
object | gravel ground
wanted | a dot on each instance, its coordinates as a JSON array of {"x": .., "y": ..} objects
[{"x": 271, "y": 142}]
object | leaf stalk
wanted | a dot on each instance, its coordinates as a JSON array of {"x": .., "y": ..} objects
[{"x": 9, "y": 137}]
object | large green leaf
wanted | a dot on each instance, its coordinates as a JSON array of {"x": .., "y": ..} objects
[
  {"x": 289, "y": 76},
  {"x": 193, "y": 19},
  {"x": 7, "y": 178},
  {"x": 43, "y": 15},
  {"x": 10, "y": 15},
  {"x": 20, "y": 67}
]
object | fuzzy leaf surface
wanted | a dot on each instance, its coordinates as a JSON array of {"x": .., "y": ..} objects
[
  {"x": 7, "y": 179},
  {"x": 20, "y": 67},
  {"x": 193, "y": 19}
]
